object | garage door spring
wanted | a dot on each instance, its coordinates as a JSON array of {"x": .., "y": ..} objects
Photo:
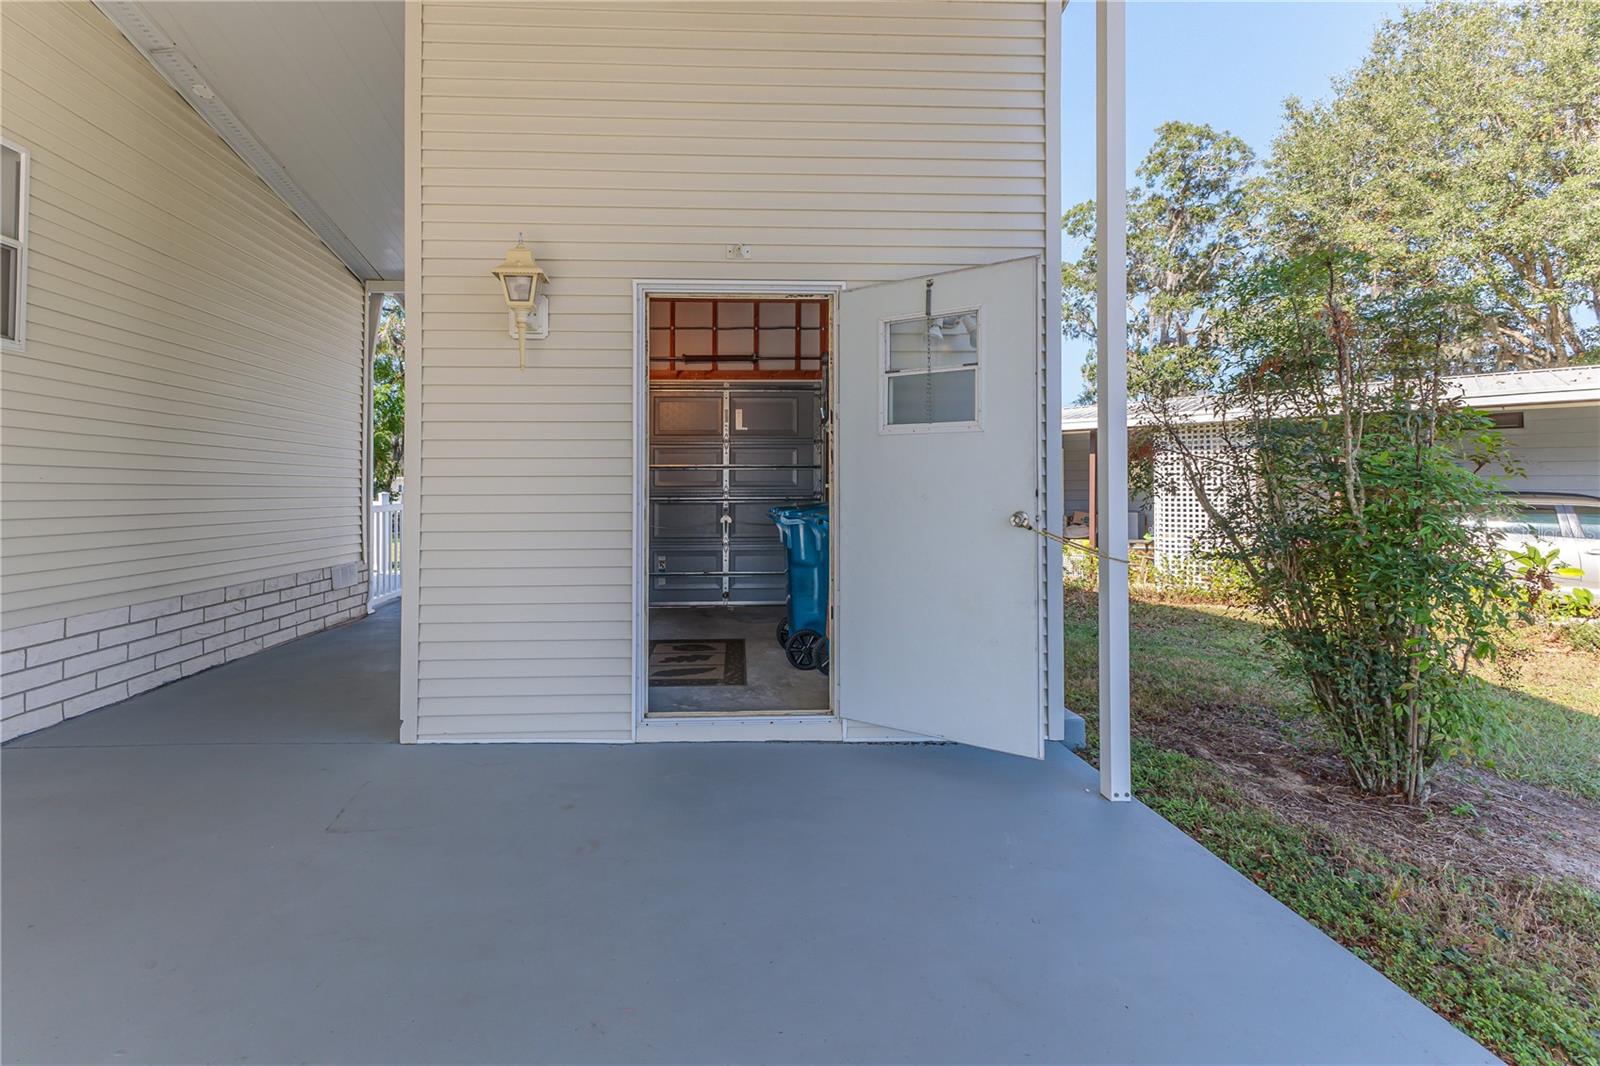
[{"x": 1022, "y": 521}]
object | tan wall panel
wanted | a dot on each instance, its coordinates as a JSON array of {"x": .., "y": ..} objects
[
  {"x": 850, "y": 142},
  {"x": 187, "y": 410}
]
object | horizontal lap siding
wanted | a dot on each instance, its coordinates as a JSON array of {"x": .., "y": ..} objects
[
  {"x": 186, "y": 413},
  {"x": 850, "y": 142},
  {"x": 1558, "y": 449},
  {"x": 1075, "y": 471}
]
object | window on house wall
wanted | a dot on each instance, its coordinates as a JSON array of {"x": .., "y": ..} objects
[
  {"x": 13, "y": 242},
  {"x": 1529, "y": 520},
  {"x": 1588, "y": 522},
  {"x": 1506, "y": 419},
  {"x": 931, "y": 372}
]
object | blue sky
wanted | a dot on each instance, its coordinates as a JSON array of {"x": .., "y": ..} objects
[{"x": 1228, "y": 64}]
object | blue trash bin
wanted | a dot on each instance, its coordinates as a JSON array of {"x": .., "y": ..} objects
[{"x": 804, "y": 633}]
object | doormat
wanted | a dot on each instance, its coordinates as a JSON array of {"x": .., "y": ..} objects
[{"x": 697, "y": 662}]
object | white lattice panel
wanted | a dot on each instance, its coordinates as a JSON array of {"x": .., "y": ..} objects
[{"x": 1181, "y": 524}]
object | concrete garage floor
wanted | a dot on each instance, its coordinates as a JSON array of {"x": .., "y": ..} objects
[
  {"x": 771, "y": 684},
  {"x": 246, "y": 867}
]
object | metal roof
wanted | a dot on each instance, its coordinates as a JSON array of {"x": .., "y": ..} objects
[{"x": 1514, "y": 388}]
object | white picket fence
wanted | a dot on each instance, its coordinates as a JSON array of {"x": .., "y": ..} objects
[{"x": 386, "y": 520}]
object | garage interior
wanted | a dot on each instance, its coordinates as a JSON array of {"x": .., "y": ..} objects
[{"x": 736, "y": 428}]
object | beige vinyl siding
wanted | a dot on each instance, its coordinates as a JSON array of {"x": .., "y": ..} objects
[
  {"x": 850, "y": 142},
  {"x": 186, "y": 413},
  {"x": 1075, "y": 471},
  {"x": 1558, "y": 448}
]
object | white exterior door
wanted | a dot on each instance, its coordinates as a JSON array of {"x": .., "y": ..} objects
[{"x": 937, "y": 604}]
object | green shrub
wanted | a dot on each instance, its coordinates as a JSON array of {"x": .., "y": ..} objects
[
  {"x": 1536, "y": 571},
  {"x": 1337, "y": 487},
  {"x": 1582, "y": 636},
  {"x": 1198, "y": 580}
]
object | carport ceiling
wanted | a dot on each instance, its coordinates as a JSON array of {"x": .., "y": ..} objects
[{"x": 310, "y": 94}]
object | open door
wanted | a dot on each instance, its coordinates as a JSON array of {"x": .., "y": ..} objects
[{"x": 936, "y": 617}]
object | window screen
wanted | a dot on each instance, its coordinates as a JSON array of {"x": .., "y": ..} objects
[{"x": 931, "y": 371}]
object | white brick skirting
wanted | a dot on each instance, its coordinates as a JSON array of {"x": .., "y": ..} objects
[{"x": 55, "y": 670}]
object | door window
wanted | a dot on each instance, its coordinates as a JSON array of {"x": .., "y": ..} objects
[{"x": 930, "y": 372}]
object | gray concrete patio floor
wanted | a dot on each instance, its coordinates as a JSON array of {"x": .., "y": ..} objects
[{"x": 245, "y": 867}]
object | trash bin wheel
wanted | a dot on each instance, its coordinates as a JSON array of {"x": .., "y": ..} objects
[
  {"x": 783, "y": 633},
  {"x": 822, "y": 663},
  {"x": 804, "y": 649}
]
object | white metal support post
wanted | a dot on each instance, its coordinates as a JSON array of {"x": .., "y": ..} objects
[
  {"x": 374, "y": 311},
  {"x": 1111, "y": 378}
]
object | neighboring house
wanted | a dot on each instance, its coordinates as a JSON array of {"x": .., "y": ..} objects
[
  {"x": 1078, "y": 445},
  {"x": 1551, "y": 423},
  {"x": 773, "y": 272}
]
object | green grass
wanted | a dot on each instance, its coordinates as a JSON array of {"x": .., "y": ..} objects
[
  {"x": 1552, "y": 704},
  {"x": 1184, "y": 656},
  {"x": 1515, "y": 962},
  {"x": 1192, "y": 655}
]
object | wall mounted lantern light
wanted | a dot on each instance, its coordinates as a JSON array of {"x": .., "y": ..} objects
[{"x": 529, "y": 308}]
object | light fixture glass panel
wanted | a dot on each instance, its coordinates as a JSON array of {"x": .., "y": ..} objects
[
  {"x": 926, "y": 399},
  {"x": 519, "y": 288},
  {"x": 10, "y": 193},
  {"x": 953, "y": 339}
]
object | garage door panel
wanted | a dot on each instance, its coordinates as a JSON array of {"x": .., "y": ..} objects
[
  {"x": 686, "y": 520},
  {"x": 791, "y": 468},
  {"x": 686, "y": 468},
  {"x": 678, "y": 414},
  {"x": 760, "y": 573},
  {"x": 685, "y": 575},
  {"x": 722, "y": 455},
  {"x": 792, "y": 413}
]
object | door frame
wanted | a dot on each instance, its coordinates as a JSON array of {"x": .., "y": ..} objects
[{"x": 754, "y": 726}]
